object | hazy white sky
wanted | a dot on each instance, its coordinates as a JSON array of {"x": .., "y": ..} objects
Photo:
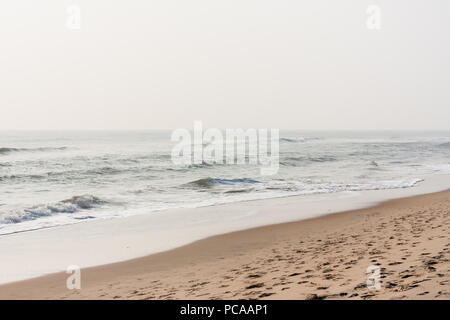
[{"x": 289, "y": 64}]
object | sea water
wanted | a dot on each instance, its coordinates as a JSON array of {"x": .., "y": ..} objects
[{"x": 53, "y": 178}]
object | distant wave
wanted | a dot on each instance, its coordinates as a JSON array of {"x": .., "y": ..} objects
[
  {"x": 301, "y": 139},
  {"x": 445, "y": 145},
  {"x": 200, "y": 165},
  {"x": 297, "y": 161},
  {"x": 11, "y": 150},
  {"x": 72, "y": 205},
  {"x": 74, "y": 174},
  {"x": 103, "y": 171},
  {"x": 22, "y": 177},
  {"x": 210, "y": 182},
  {"x": 61, "y": 175},
  {"x": 8, "y": 150},
  {"x": 322, "y": 159}
]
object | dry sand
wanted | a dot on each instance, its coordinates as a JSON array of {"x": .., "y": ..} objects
[{"x": 321, "y": 258}]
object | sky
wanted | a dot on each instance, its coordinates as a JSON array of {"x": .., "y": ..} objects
[{"x": 162, "y": 64}]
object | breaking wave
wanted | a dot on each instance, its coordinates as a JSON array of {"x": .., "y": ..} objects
[{"x": 72, "y": 205}]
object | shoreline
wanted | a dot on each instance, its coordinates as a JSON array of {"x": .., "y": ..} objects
[
  {"x": 103, "y": 242},
  {"x": 232, "y": 261}
]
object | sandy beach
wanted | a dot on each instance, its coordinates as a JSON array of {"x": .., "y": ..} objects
[{"x": 319, "y": 258}]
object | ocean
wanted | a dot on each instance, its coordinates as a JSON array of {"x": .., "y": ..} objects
[{"x": 53, "y": 178}]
